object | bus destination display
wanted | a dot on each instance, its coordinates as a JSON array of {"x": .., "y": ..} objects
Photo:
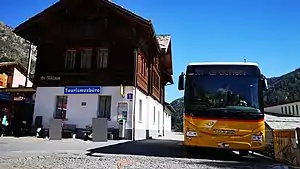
[{"x": 201, "y": 72}]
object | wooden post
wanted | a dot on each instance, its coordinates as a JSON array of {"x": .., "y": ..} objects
[
  {"x": 13, "y": 113},
  {"x": 298, "y": 145},
  {"x": 298, "y": 136}
]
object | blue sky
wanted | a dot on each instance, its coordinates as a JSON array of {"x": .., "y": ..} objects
[{"x": 265, "y": 31}]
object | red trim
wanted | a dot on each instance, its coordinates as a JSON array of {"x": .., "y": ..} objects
[{"x": 220, "y": 119}]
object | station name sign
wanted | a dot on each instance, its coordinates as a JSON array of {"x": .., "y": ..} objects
[
  {"x": 82, "y": 90},
  {"x": 50, "y": 78}
]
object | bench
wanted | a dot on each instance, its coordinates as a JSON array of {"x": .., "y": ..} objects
[
  {"x": 69, "y": 128},
  {"x": 88, "y": 134}
]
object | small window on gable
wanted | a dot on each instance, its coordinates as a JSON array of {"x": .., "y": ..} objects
[
  {"x": 102, "y": 58},
  {"x": 156, "y": 80},
  {"x": 70, "y": 59},
  {"x": 142, "y": 65},
  {"x": 86, "y": 58}
]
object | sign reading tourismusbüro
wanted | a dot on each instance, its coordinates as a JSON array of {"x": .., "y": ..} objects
[{"x": 82, "y": 90}]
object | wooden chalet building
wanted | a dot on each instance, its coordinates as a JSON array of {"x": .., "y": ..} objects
[{"x": 92, "y": 55}]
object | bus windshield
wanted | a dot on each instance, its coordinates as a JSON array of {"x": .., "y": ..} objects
[{"x": 207, "y": 92}]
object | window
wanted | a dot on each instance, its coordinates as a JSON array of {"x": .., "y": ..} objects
[
  {"x": 282, "y": 110},
  {"x": 154, "y": 115},
  {"x": 104, "y": 106},
  {"x": 289, "y": 109},
  {"x": 70, "y": 59},
  {"x": 142, "y": 65},
  {"x": 156, "y": 80},
  {"x": 293, "y": 109},
  {"x": 140, "y": 110},
  {"x": 285, "y": 108},
  {"x": 86, "y": 58},
  {"x": 88, "y": 29},
  {"x": 102, "y": 58},
  {"x": 61, "y": 107},
  {"x": 297, "y": 110}
]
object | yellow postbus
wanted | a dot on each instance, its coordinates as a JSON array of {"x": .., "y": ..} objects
[{"x": 223, "y": 103}]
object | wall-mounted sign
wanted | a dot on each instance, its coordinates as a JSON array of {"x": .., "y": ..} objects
[
  {"x": 129, "y": 96},
  {"x": 82, "y": 90},
  {"x": 50, "y": 78},
  {"x": 3, "y": 80}
]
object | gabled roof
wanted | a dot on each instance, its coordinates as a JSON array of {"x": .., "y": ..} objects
[
  {"x": 109, "y": 4},
  {"x": 164, "y": 41},
  {"x": 165, "y": 44}
]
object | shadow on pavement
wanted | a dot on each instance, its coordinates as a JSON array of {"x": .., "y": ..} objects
[
  {"x": 166, "y": 148},
  {"x": 159, "y": 148}
]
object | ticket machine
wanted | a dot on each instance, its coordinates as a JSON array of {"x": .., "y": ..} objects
[{"x": 123, "y": 108}]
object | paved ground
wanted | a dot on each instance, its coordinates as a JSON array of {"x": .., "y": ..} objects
[
  {"x": 10, "y": 145},
  {"x": 34, "y": 153}
]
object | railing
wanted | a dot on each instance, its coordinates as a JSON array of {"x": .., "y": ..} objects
[{"x": 286, "y": 146}]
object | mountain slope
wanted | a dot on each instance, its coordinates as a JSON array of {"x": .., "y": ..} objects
[
  {"x": 177, "y": 119},
  {"x": 282, "y": 89},
  {"x": 14, "y": 48}
]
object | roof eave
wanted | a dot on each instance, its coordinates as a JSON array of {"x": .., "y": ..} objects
[{"x": 25, "y": 24}]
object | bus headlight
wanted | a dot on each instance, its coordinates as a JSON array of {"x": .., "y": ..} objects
[
  {"x": 191, "y": 134},
  {"x": 257, "y": 137}
]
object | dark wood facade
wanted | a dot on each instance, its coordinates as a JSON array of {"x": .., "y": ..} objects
[{"x": 94, "y": 43}]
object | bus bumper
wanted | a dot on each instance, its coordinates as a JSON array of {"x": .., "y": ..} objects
[{"x": 226, "y": 145}]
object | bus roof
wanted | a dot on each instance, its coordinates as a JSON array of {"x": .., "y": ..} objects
[{"x": 223, "y": 63}]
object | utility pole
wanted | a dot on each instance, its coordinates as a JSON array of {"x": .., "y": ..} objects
[{"x": 28, "y": 64}]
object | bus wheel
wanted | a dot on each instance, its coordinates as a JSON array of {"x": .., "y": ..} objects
[{"x": 243, "y": 153}]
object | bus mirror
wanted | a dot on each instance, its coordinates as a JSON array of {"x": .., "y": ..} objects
[
  {"x": 266, "y": 86},
  {"x": 181, "y": 82},
  {"x": 265, "y": 83}
]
